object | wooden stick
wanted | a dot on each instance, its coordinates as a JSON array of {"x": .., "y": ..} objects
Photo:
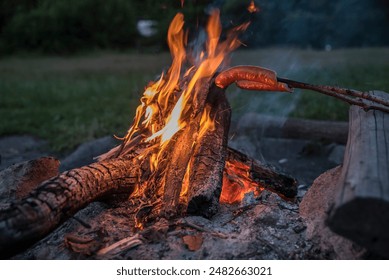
[
  {"x": 121, "y": 245},
  {"x": 199, "y": 228},
  {"x": 344, "y": 95}
]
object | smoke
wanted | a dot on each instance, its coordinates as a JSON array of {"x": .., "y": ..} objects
[{"x": 254, "y": 113}]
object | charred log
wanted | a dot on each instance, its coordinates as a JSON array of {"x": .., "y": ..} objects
[
  {"x": 179, "y": 153},
  {"x": 266, "y": 175},
  {"x": 57, "y": 199},
  {"x": 206, "y": 178},
  {"x": 360, "y": 211}
]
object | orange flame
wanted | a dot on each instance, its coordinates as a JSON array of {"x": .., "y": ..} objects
[
  {"x": 165, "y": 100},
  {"x": 167, "y": 105},
  {"x": 237, "y": 183},
  {"x": 252, "y": 8}
]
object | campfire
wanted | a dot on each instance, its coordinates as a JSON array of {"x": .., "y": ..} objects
[
  {"x": 180, "y": 130},
  {"x": 174, "y": 160}
]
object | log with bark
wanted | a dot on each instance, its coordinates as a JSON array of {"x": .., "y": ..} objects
[
  {"x": 57, "y": 199},
  {"x": 361, "y": 210},
  {"x": 18, "y": 180}
]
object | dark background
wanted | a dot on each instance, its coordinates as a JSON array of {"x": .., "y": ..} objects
[{"x": 72, "y": 26}]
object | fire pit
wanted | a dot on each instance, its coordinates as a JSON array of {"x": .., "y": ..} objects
[{"x": 173, "y": 180}]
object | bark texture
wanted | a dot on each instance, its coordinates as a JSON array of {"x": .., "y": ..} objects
[
  {"x": 57, "y": 199},
  {"x": 18, "y": 180}
]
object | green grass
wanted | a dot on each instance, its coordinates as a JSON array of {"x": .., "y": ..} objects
[
  {"x": 68, "y": 110},
  {"x": 313, "y": 105},
  {"x": 68, "y": 101}
]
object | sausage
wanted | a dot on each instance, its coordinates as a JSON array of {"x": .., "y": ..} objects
[
  {"x": 251, "y": 78},
  {"x": 251, "y": 85},
  {"x": 247, "y": 73}
]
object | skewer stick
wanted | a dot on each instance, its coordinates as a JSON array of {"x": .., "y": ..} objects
[{"x": 352, "y": 97}]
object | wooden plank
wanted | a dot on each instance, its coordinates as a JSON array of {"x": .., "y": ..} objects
[{"x": 361, "y": 210}]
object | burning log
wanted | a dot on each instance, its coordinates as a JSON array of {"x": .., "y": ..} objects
[
  {"x": 264, "y": 175},
  {"x": 360, "y": 211},
  {"x": 57, "y": 199},
  {"x": 206, "y": 172},
  {"x": 180, "y": 152}
]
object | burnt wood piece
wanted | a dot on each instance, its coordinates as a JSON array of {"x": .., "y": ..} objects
[
  {"x": 207, "y": 164},
  {"x": 179, "y": 152},
  {"x": 266, "y": 175},
  {"x": 270, "y": 126},
  {"x": 57, "y": 199},
  {"x": 18, "y": 180},
  {"x": 361, "y": 210}
]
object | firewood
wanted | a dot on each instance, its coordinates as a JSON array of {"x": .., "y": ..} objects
[
  {"x": 18, "y": 180},
  {"x": 57, "y": 199},
  {"x": 179, "y": 153},
  {"x": 206, "y": 174},
  {"x": 292, "y": 128},
  {"x": 266, "y": 175},
  {"x": 360, "y": 212}
]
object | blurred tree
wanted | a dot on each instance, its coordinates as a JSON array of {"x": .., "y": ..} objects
[
  {"x": 8, "y": 8},
  {"x": 67, "y": 26}
]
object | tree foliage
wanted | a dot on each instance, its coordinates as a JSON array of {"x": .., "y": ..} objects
[{"x": 65, "y": 26}]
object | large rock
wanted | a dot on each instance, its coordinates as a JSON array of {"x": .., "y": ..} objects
[{"x": 314, "y": 210}]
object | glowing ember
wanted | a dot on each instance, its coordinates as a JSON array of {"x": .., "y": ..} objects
[
  {"x": 252, "y": 8},
  {"x": 237, "y": 183}
]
